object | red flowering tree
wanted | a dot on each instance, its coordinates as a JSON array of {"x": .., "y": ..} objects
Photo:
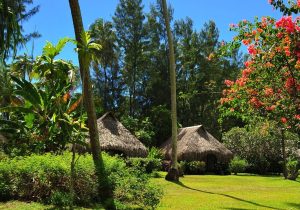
[{"x": 269, "y": 85}]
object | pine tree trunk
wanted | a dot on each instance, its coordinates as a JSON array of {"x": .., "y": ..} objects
[
  {"x": 173, "y": 174},
  {"x": 105, "y": 192}
]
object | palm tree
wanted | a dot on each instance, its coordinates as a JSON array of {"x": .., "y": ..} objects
[
  {"x": 103, "y": 34},
  {"x": 6, "y": 88},
  {"x": 173, "y": 174},
  {"x": 105, "y": 192},
  {"x": 12, "y": 14},
  {"x": 22, "y": 66}
]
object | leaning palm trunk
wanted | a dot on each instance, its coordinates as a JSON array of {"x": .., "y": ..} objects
[
  {"x": 173, "y": 174},
  {"x": 105, "y": 191}
]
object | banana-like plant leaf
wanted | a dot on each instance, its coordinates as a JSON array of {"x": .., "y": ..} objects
[
  {"x": 29, "y": 92},
  {"x": 29, "y": 119},
  {"x": 52, "y": 50}
]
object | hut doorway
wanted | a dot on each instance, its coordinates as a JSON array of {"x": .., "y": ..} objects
[{"x": 211, "y": 162}]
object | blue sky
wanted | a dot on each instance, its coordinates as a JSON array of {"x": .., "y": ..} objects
[{"x": 54, "y": 19}]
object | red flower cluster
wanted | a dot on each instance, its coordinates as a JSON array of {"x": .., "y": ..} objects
[
  {"x": 269, "y": 91},
  {"x": 287, "y": 51},
  {"x": 225, "y": 100},
  {"x": 246, "y": 41},
  {"x": 246, "y": 72},
  {"x": 287, "y": 23},
  {"x": 270, "y": 108},
  {"x": 252, "y": 50},
  {"x": 290, "y": 84},
  {"x": 248, "y": 63},
  {"x": 228, "y": 83},
  {"x": 283, "y": 120},
  {"x": 241, "y": 81},
  {"x": 255, "y": 102}
]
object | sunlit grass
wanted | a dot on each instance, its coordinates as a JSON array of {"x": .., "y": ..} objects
[
  {"x": 19, "y": 205},
  {"x": 209, "y": 192},
  {"x": 23, "y": 205},
  {"x": 230, "y": 192}
]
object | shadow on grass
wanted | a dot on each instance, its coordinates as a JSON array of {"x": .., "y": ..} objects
[
  {"x": 294, "y": 205},
  {"x": 228, "y": 196},
  {"x": 231, "y": 208}
]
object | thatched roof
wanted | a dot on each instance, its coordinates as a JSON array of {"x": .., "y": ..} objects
[
  {"x": 195, "y": 143},
  {"x": 115, "y": 137},
  {"x": 298, "y": 154}
]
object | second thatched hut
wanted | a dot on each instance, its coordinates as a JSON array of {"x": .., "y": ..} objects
[
  {"x": 197, "y": 144},
  {"x": 116, "y": 139}
]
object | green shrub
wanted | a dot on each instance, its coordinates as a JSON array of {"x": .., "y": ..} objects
[
  {"x": 237, "y": 165},
  {"x": 196, "y": 167},
  {"x": 155, "y": 153},
  {"x": 3, "y": 156},
  {"x": 132, "y": 190},
  {"x": 61, "y": 199},
  {"x": 148, "y": 165},
  {"x": 182, "y": 167},
  {"x": 292, "y": 169},
  {"x": 260, "y": 145},
  {"x": 46, "y": 178},
  {"x": 151, "y": 196}
]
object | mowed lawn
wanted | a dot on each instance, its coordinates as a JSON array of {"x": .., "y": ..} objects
[{"x": 243, "y": 192}]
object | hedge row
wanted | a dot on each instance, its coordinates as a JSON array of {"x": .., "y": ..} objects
[{"x": 46, "y": 178}]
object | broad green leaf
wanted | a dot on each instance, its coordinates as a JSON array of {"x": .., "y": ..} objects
[{"x": 29, "y": 118}]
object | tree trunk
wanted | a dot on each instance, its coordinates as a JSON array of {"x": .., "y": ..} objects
[
  {"x": 173, "y": 174},
  {"x": 105, "y": 191},
  {"x": 105, "y": 89},
  {"x": 73, "y": 176},
  {"x": 283, "y": 154},
  {"x": 130, "y": 103}
]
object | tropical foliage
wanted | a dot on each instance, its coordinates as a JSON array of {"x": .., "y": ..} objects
[
  {"x": 46, "y": 114},
  {"x": 156, "y": 74}
]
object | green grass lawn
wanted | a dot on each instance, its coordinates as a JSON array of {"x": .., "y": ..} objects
[
  {"x": 19, "y": 205},
  {"x": 242, "y": 192},
  {"x": 22, "y": 206},
  {"x": 210, "y": 192}
]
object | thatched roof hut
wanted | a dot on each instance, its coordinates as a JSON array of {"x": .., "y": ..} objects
[
  {"x": 195, "y": 143},
  {"x": 115, "y": 138}
]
